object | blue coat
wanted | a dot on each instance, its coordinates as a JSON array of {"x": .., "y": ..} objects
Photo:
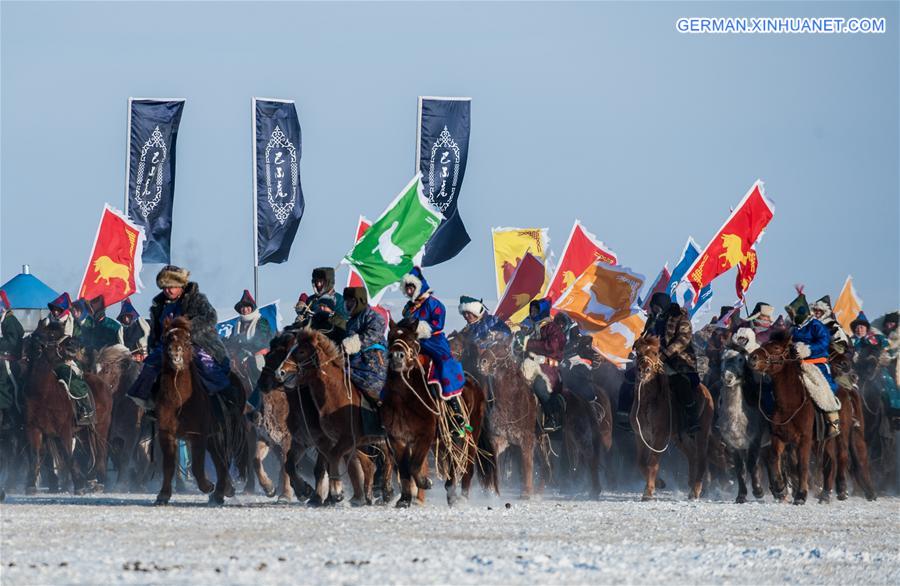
[
  {"x": 816, "y": 335},
  {"x": 487, "y": 324},
  {"x": 368, "y": 367},
  {"x": 447, "y": 370}
]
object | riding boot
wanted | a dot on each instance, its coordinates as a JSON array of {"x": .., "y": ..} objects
[
  {"x": 545, "y": 398},
  {"x": 84, "y": 411},
  {"x": 832, "y": 423},
  {"x": 459, "y": 420},
  {"x": 686, "y": 393}
]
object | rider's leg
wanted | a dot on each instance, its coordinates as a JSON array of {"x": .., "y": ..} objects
[{"x": 687, "y": 392}]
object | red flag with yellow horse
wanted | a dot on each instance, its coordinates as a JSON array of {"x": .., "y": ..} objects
[
  {"x": 733, "y": 243},
  {"x": 114, "y": 268}
]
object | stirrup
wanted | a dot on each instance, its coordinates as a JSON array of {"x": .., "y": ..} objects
[{"x": 832, "y": 428}]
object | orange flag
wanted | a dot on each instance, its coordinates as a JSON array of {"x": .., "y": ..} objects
[
  {"x": 615, "y": 341},
  {"x": 733, "y": 242},
  {"x": 847, "y": 306},
  {"x": 115, "y": 264},
  {"x": 602, "y": 295},
  {"x": 582, "y": 249}
]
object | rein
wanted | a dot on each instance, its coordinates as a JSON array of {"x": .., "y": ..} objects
[
  {"x": 410, "y": 354},
  {"x": 656, "y": 365}
]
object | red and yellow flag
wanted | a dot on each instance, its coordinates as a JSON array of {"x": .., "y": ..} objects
[
  {"x": 353, "y": 279},
  {"x": 510, "y": 247},
  {"x": 732, "y": 244},
  {"x": 746, "y": 273},
  {"x": 115, "y": 264},
  {"x": 524, "y": 285},
  {"x": 582, "y": 249},
  {"x": 602, "y": 295}
]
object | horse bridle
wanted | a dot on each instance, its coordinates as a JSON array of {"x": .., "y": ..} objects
[
  {"x": 779, "y": 359},
  {"x": 410, "y": 351}
]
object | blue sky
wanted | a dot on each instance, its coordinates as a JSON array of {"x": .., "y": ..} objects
[{"x": 596, "y": 111}]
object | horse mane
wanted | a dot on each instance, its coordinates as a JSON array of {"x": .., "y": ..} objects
[
  {"x": 179, "y": 322},
  {"x": 321, "y": 343},
  {"x": 111, "y": 355},
  {"x": 645, "y": 343}
]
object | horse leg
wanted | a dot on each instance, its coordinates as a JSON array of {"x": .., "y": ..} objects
[
  {"x": 843, "y": 463},
  {"x": 282, "y": 452},
  {"x": 262, "y": 450},
  {"x": 362, "y": 474},
  {"x": 249, "y": 455},
  {"x": 321, "y": 473},
  {"x": 804, "y": 453},
  {"x": 527, "y": 449},
  {"x": 335, "y": 484},
  {"x": 860, "y": 454},
  {"x": 387, "y": 476},
  {"x": 297, "y": 486},
  {"x": 417, "y": 459},
  {"x": 402, "y": 454},
  {"x": 71, "y": 465},
  {"x": 223, "y": 478},
  {"x": 776, "y": 473},
  {"x": 168, "y": 445},
  {"x": 198, "y": 464},
  {"x": 739, "y": 462},
  {"x": 36, "y": 457}
]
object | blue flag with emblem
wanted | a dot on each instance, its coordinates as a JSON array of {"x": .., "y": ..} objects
[
  {"x": 268, "y": 312},
  {"x": 442, "y": 151},
  {"x": 150, "y": 171},
  {"x": 278, "y": 199},
  {"x": 682, "y": 292}
]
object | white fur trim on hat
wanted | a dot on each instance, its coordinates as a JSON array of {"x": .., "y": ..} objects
[
  {"x": 172, "y": 276},
  {"x": 803, "y": 350},
  {"x": 413, "y": 280},
  {"x": 476, "y": 308},
  {"x": 746, "y": 339},
  {"x": 352, "y": 344},
  {"x": 423, "y": 330}
]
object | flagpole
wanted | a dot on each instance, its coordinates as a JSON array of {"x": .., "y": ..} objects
[{"x": 254, "y": 236}]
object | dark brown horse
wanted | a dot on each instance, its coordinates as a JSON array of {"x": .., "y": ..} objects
[
  {"x": 852, "y": 452},
  {"x": 792, "y": 421},
  {"x": 656, "y": 421},
  {"x": 49, "y": 415},
  {"x": 411, "y": 415},
  {"x": 185, "y": 411},
  {"x": 879, "y": 432}
]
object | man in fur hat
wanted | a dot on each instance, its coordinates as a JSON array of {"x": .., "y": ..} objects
[
  {"x": 323, "y": 288},
  {"x": 822, "y": 311},
  {"x": 11, "y": 339},
  {"x": 479, "y": 323},
  {"x": 98, "y": 331},
  {"x": 365, "y": 343},
  {"x": 250, "y": 338},
  {"x": 670, "y": 323},
  {"x": 136, "y": 330},
  {"x": 182, "y": 297},
  {"x": 811, "y": 341},
  {"x": 544, "y": 345},
  {"x": 892, "y": 332},
  {"x": 761, "y": 319},
  {"x": 430, "y": 313}
]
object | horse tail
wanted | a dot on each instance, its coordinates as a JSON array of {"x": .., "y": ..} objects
[{"x": 486, "y": 459}]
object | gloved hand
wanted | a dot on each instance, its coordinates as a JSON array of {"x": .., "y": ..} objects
[
  {"x": 423, "y": 330},
  {"x": 351, "y": 344},
  {"x": 802, "y": 349}
]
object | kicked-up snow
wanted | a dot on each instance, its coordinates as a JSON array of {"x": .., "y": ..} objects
[{"x": 122, "y": 539}]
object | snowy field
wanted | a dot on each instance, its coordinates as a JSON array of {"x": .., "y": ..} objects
[{"x": 121, "y": 539}]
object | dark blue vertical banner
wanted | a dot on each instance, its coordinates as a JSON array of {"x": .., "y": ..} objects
[
  {"x": 152, "y": 133},
  {"x": 278, "y": 199},
  {"x": 443, "y": 147}
]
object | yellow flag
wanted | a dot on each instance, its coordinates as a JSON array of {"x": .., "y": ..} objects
[
  {"x": 602, "y": 295},
  {"x": 847, "y": 306},
  {"x": 615, "y": 341},
  {"x": 510, "y": 247}
]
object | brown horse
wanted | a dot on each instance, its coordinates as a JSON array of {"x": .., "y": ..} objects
[
  {"x": 185, "y": 411},
  {"x": 49, "y": 415},
  {"x": 411, "y": 415},
  {"x": 852, "y": 452},
  {"x": 116, "y": 367},
  {"x": 792, "y": 421},
  {"x": 879, "y": 432},
  {"x": 315, "y": 369},
  {"x": 655, "y": 421}
]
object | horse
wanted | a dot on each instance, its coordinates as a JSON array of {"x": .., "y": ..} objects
[
  {"x": 792, "y": 421},
  {"x": 49, "y": 415},
  {"x": 741, "y": 424},
  {"x": 411, "y": 414},
  {"x": 116, "y": 367},
  {"x": 184, "y": 410},
  {"x": 852, "y": 451},
  {"x": 316, "y": 370},
  {"x": 879, "y": 433},
  {"x": 513, "y": 411},
  {"x": 654, "y": 421}
]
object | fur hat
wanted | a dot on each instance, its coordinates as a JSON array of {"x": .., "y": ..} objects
[
  {"x": 823, "y": 305},
  {"x": 861, "y": 320},
  {"x": 417, "y": 280},
  {"x": 798, "y": 310},
  {"x": 891, "y": 317},
  {"x": 172, "y": 276},
  {"x": 63, "y": 303},
  {"x": 762, "y": 310},
  {"x": 471, "y": 305},
  {"x": 745, "y": 338},
  {"x": 359, "y": 295},
  {"x": 127, "y": 309},
  {"x": 327, "y": 275},
  {"x": 4, "y": 301},
  {"x": 245, "y": 300}
]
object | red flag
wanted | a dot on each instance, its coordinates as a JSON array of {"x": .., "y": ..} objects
[
  {"x": 733, "y": 242},
  {"x": 524, "y": 285},
  {"x": 660, "y": 285},
  {"x": 353, "y": 279},
  {"x": 582, "y": 249},
  {"x": 115, "y": 264},
  {"x": 745, "y": 273}
]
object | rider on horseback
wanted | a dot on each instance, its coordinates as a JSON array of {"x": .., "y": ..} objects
[
  {"x": 181, "y": 297},
  {"x": 822, "y": 311},
  {"x": 578, "y": 359},
  {"x": 250, "y": 337},
  {"x": 365, "y": 343},
  {"x": 670, "y": 323},
  {"x": 871, "y": 345},
  {"x": 430, "y": 313},
  {"x": 480, "y": 323},
  {"x": 60, "y": 312},
  {"x": 811, "y": 341},
  {"x": 136, "y": 330},
  {"x": 71, "y": 377},
  {"x": 98, "y": 332},
  {"x": 11, "y": 336},
  {"x": 323, "y": 288},
  {"x": 544, "y": 345}
]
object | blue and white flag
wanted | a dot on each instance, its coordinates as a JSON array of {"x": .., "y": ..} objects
[
  {"x": 278, "y": 202},
  {"x": 443, "y": 147},
  {"x": 682, "y": 292},
  {"x": 268, "y": 312},
  {"x": 150, "y": 190}
]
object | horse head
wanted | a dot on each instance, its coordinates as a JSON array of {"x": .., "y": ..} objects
[
  {"x": 272, "y": 373},
  {"x": 312, "y": 351},
  {"x": 771, "y": 357},
  {"x": 177, "y": 343},
  {"x": 733, "y": 364},
  {"x": 495, "y": 350},
  {"x": 404, "y": 345},
  {"x": 648, "y": 360},
  {"x": 842, "y": 371}
]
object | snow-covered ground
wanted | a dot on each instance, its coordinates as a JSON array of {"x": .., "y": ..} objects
[{"x": 122, "y": 539}]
